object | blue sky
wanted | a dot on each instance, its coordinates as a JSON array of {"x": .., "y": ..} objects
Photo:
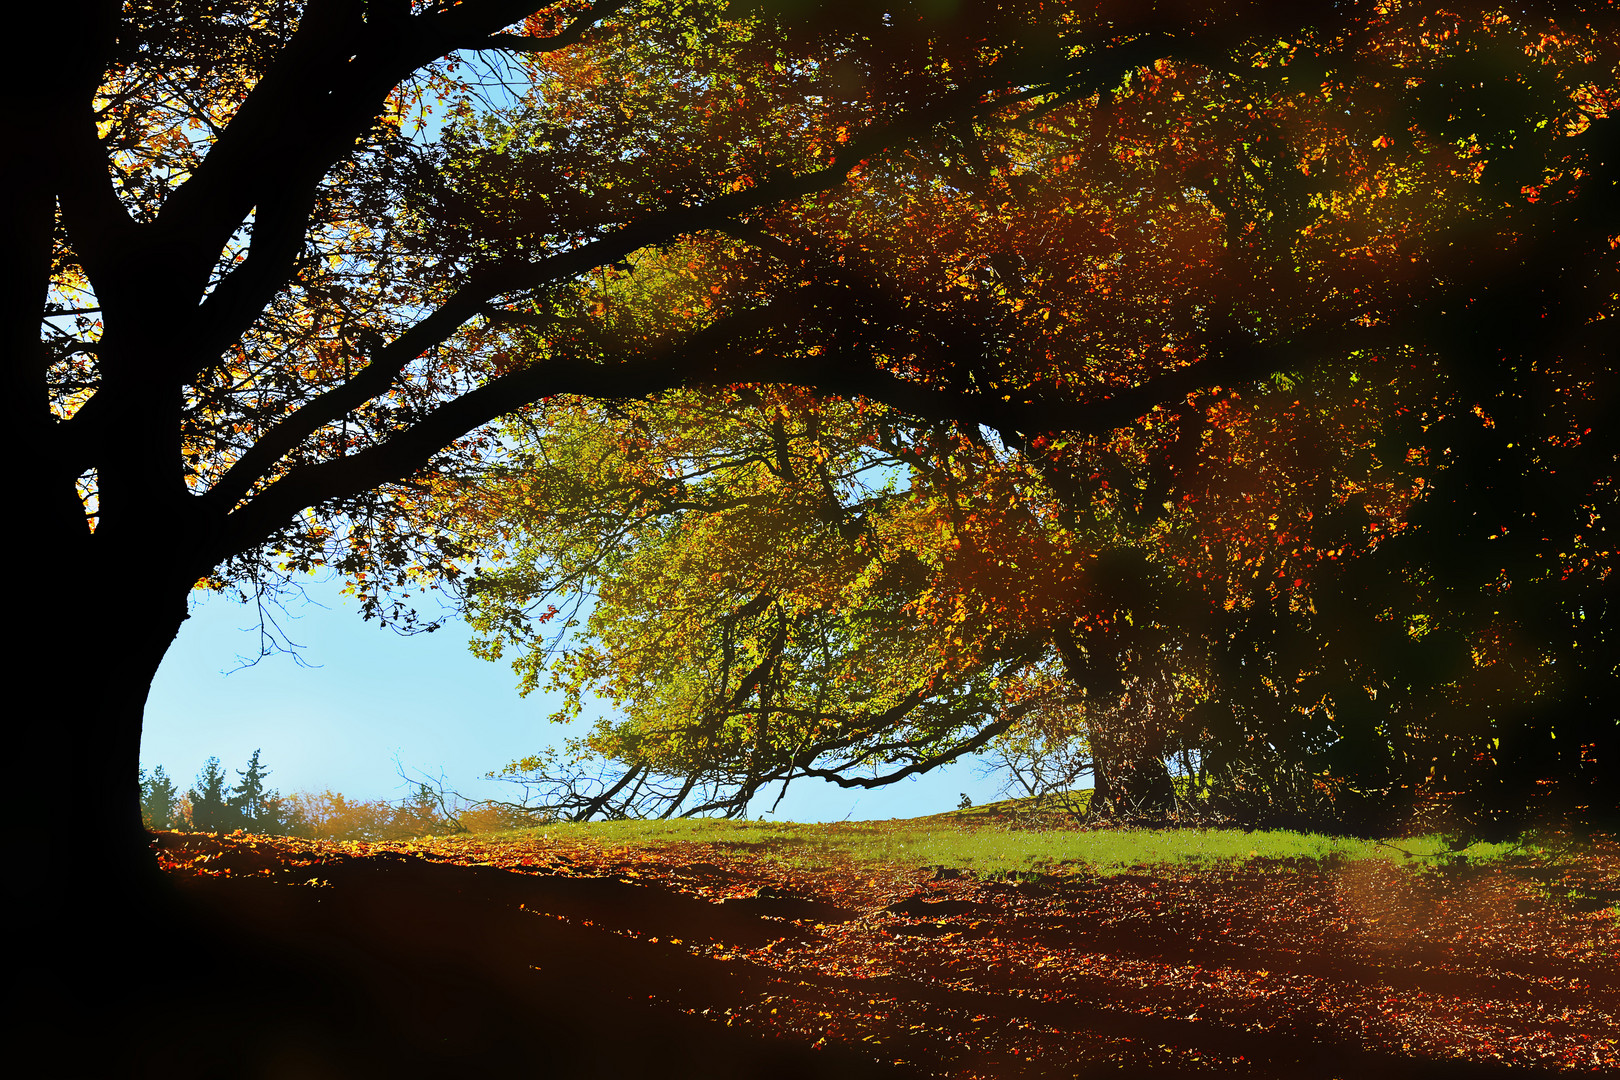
[{"x": 368, "y": 696}]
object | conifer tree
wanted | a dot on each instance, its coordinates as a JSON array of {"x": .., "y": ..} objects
[
  {"x": 211, "y": 808},
  {"x": 256, "y": 808},
  {"x": 159, "y": 800}
]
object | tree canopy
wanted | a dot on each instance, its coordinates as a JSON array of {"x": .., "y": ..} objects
[
  {"x": 1246, "y": 360},
  {"x": 1245, "y": 413}
]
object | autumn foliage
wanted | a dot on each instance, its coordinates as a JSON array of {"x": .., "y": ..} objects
[
  {"x": 1237, "y": 415},
  {"x": 1222, "y": 385}
]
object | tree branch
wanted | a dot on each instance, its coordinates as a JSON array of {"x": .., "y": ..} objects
[{"x": 571, "y": 34}]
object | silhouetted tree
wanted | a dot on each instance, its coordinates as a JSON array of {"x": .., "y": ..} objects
[
  {"x": 257, "y": 808},
  {"x": 159, "y": 799},
  {"x": 211, "y": 805}
]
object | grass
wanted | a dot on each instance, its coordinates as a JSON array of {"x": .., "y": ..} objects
[{"x": 999, "y": 840}]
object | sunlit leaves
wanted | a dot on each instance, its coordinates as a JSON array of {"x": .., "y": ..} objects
[
  {"x": 797, "y": 577},
  {"x": 1225, "y": 360},
  {"x": 1252, "y": 258}
]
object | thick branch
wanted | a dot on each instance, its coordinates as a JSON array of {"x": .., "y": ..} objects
[
  {"x": 377, "y": 377},
  {"x": 571, "y": 34},
  {"x": 979, "y": 741},
  {"x": 493, "y": 281},
  {"x": 411, "y": 450}
]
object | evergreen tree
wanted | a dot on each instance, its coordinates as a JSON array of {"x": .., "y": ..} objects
[
  {"x": 159, "y": 800},
  {"x": 212, "y": 810},
  {"x": 256, "y": 808}
]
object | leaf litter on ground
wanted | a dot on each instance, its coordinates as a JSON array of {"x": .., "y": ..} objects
[{"x": 942, "y": 948}]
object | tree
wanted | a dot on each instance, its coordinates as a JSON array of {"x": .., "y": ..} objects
[
  {"x": 230, "y": 373},
  {"x": 244, "y": 372},
  {"x": 212, "y": 808},
  {"x": 159, "y": 802},
  {"x": 1320, "y": 501},
  {"x": 256, "y": 808},
  {"x": 788, "y": 567}
]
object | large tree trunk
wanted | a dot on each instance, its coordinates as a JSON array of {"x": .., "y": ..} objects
[
  {"x": 101, "y": 908},
  {"x": 92, "y": 651},
  {"x": 95, "y": 664}
]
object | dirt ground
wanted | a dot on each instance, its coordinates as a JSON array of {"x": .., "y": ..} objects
[{"x": 470, "y": 957}]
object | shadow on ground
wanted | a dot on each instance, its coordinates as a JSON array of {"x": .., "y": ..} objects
[{"x": 317, "y": 963}]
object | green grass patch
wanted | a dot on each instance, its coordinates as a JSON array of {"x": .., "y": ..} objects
[{"x": 990, "y": 846}]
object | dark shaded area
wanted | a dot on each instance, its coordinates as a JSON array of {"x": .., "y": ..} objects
[{"x": 399, "y": 966}]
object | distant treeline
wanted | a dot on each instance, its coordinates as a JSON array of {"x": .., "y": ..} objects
[{"x": 213, "y": 804}]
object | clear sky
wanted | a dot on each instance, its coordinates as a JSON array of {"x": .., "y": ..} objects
[{"x": 369, "y": 696}]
